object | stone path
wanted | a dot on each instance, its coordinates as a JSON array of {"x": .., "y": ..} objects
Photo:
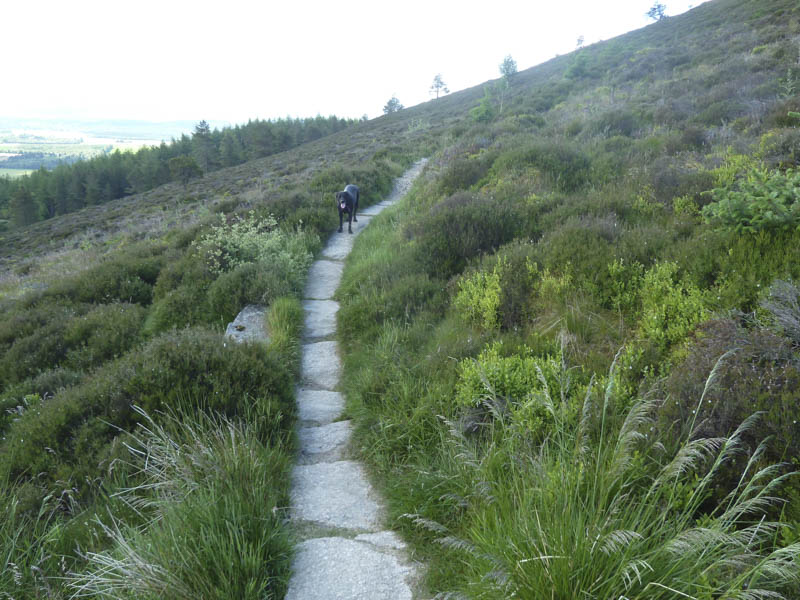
[{"x": 345, "y": 553}]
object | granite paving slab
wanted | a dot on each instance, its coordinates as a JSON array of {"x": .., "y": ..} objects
[
  {"x": 319, "y": 407},
  {"x": 320, "y": 317},
  {"x": 334, "y": 494},
  {"x": 323, "y": 279},
  {"x": 330, "y": 568},
  {"x": 327, "y": 443},
  {"x": 320, "y": 366}
]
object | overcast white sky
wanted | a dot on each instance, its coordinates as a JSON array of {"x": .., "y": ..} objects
[{"x": 236, "y": 60}]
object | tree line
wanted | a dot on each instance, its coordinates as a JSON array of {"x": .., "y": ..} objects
[{"x": 66, "y": 188}]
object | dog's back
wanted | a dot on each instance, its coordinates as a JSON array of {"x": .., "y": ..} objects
[{"x": 352, "y": 190}]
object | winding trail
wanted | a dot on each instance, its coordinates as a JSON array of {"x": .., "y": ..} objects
[{"x": 346, "y": 553}]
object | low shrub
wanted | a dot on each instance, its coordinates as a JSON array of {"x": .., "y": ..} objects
[
  {"x": 567, "y": 167},
  {"x": 186, "y": 268},
  {"x": 478, "y": 297},
  {"x": 761, "y": 200},
  {"x": 673, "y": 178},
  {"x": 249, "y": 239},
  {"x": 518, "y": 281},
  {"x": 104, "y": 333},
  {"x": 507, "y": 378},
  {"x": 460, "y": 228},
  {"x": 752, "y": 262},
  {"x": 462, "y": 173},
  {"x": 758, "y": 372},
  {"x": 42, "y": 349},
  {"x": 253, "y": 283},
  {"x": 781, "y": 148},
  {"x": 181, "y": 307},
  {"x": 68, "y": 436},
  {"x": 616, "y": 122},
  {"x": 560, "y": 252},
  {"x": 671, "y": 306},
  {"x": 127, "y": 277}
]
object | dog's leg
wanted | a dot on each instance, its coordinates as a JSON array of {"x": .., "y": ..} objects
[
  {"x": 349, "y": 222},
  {"x": 340, "y": 220}
]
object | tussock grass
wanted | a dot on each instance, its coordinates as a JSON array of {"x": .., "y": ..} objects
[
  {"x": 284, "y": 324},
  {"x": 599, "y": 511},
  {"x": 211, "y": 495}
]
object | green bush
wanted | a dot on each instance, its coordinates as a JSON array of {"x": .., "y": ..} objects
[
  {"x": 181, "y": 307},
  {"x": 671, "y": 306},
  {"x": 616, "y": 122},
  {"x": 460, "y": 228},
  {"x": 560, "y": 252},
  {"x": 512, "y": 379},
  {"x": 68, "y": 436},
  {"x": 673, "y": 177},
  {"x": 478, "y": 297},
  {"x": 752, "y": 262},
  {"x": 186, "y": 268},
  {"x": 518, "y": 283},
  {"x": 567, "y": 167},
  {"x": 127, "y": 277},
  {"x": 103, "y": 333},
  {"x": 254, "y": 283},
  {"x": 781, "y": 148},
  {"x": 760, "y": 201},
  {"x": 42, "y": 349},
  {"x": 462, "y": 173},
  {"x": 73, "y": 338},
  {"x": 248, "y": 240}
]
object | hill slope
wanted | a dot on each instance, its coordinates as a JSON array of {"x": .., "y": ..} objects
[{"x": 542, "y": 238}]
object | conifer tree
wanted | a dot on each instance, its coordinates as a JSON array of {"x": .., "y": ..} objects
[{"x": 438, "y": 86}]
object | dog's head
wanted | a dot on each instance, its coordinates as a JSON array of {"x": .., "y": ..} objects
[{"x": 341, "y": 200}]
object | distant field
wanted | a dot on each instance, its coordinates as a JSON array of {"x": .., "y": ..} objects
[
  {"x": 12, "y": 173},
  {"x": 72, "y": 140}
]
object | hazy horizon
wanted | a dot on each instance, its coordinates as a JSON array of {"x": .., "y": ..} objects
[{"x": 178, "y": 61}]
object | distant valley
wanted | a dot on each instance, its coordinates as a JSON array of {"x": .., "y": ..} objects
[{"x": 29, "y": 144}]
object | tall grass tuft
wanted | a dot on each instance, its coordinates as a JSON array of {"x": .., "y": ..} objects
[
  {"x": 600, "y": 511},
  {"x": 284, "y": 320},
  {"x": 211, "y": 494},
  {"x": 23, "y": 547}
]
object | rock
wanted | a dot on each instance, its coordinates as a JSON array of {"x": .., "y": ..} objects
[{"x": 249, "y": 325}]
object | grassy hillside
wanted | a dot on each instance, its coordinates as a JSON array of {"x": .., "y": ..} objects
[
  {"x": 528, "y": 340},
  {"x": 126, "y": 421},
  {"x": 551, "y": 344}
]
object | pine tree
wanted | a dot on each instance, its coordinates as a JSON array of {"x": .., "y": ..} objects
[
  {"x": 23, "y": 210},
  {"x": 438, "y": 86},
  {"x": 203, "y": 146}
]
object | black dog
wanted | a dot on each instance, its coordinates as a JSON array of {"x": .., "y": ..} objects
[{"x": 347, "y": 202}]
